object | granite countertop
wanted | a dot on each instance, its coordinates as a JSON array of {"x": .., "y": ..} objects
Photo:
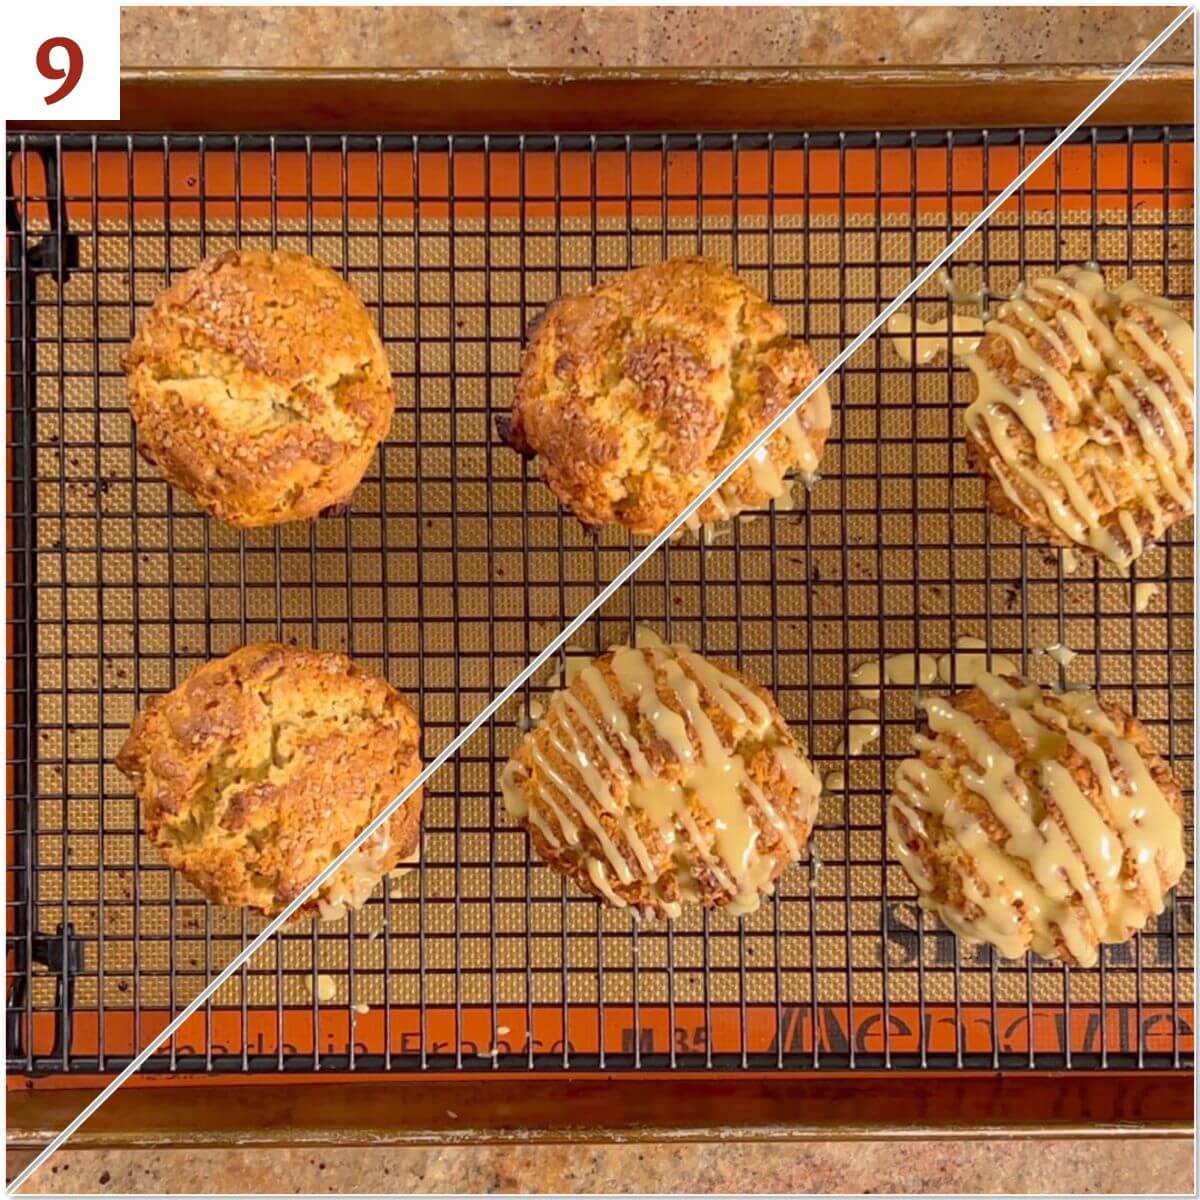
[
  {"x": 616, "y": 37},
  {"x": 969, "y": 1167},
  {"x": 364, "y": 36}
]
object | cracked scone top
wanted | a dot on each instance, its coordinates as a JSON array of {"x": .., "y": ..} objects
[
  {"x": 260, "y": 387},
  {"x": 1084, "y": 422},
  {"x": 636, "y": 393},
  {"x": 262, "y": 766},
  {"x": 1037, "y": 821},
  {"x": 658, "y": 777}
]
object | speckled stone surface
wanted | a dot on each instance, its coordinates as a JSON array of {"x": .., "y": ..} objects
[
  {"x": 612, "y": 37},
  {"x": 973, "y": 1167}
]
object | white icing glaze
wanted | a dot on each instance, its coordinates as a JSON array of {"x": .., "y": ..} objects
[
  {"x": 326, "y": 987},
  {"x": 1052, "y": 878},
  {"x": 1063, "y": 655},
  {"x": 862, "y": 729},
  {"x": 969, "y": 660},
  {"x": 529, "y": 715},
  {"x": 905, "y": 669},
  {"x": 930, "y": 340},
  {"x": 353, "y": 884},
  {"x": 613, "y": 795},
  {"x": 959, "y": 295},
  {"x": 1143, "y": 595},
  {"x": 766, "y": 475},
  {"x": 644, "y": 636},
  {"x": 1154, "y": 389}
]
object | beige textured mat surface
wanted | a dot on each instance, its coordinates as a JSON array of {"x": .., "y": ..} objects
[{"x": 455, "y": 566}]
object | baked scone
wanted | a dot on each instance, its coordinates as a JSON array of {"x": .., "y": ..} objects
[
  {"x": 658, "y": 777},
  {"x": 260, "y": 387},
  {"x": 1037, "y": 821},
  {"x": 1083, "y": 425},
  {"x": 262, "y": 766},
  {"x": 635, "y": 394}
]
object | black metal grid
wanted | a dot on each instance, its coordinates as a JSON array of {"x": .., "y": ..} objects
[{"x": 454, "y": 566}]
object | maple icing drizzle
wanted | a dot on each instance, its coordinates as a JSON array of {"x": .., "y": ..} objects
[
  {"x": 962, "y": 666},
  {"x": 766, "y": 475},
  {"x": 1099, "y": 325},
  {"x": 930, "y": 339},
  {"x": 1055, "y": 876},
  {"x": 610, "y": 774}
]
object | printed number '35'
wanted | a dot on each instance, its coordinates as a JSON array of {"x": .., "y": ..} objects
[{"x": 69, "y": 75}]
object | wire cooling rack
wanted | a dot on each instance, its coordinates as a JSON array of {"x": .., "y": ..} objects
[{"x": 454, "y": 566}]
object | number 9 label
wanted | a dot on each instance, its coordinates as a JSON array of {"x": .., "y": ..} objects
[
  {"x": 61, "y": 61},
  {"x": 69, "y": 74}
]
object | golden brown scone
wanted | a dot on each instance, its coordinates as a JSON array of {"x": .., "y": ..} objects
[
  {"x": 262, "y": 766},
  {"x": 636, "y": 393},
  {"x": 1084, "y": 425},
  {"x": 658, "y": 777},
  {"x": 1037, "y": 821},
  {"x": 260, "y": 387}
]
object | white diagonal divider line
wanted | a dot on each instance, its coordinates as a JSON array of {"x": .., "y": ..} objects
[{"x": 629, "y": 570}]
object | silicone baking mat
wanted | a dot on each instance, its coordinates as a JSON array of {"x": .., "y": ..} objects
[{"x": 455, "y": 565}]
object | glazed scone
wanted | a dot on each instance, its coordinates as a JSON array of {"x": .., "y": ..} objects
[
  {"x": 635, "y": 394},
  {"x": 260, "y": 387},
  {"x": 658, "y": 777},
  {"x": 1083, "y": 425},
  {"x": 262, "y": 766},
  {"x": 1037, "y": 821}
]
